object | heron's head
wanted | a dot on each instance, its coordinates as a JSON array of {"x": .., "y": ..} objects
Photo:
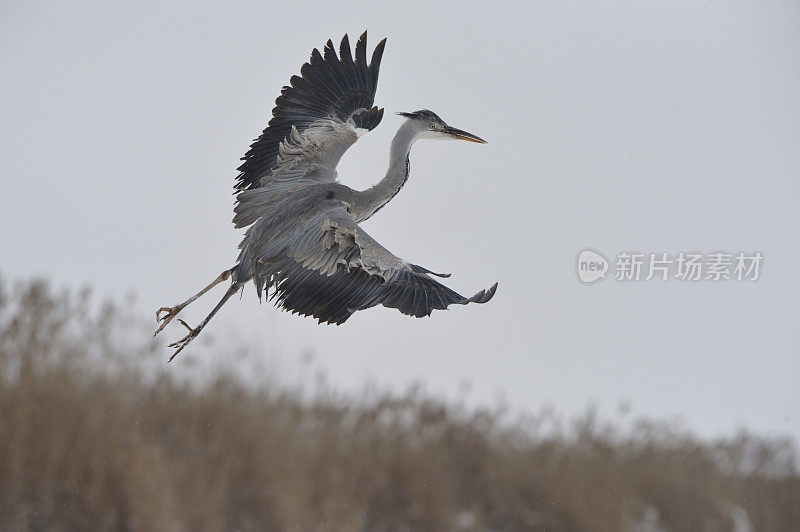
[{"x": 428, "y": 125}]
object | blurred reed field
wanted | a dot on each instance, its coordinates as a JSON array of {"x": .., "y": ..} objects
[{"x": 97, "y": 433}]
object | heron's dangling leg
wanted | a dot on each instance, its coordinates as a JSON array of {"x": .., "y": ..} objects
[
  {"x": 183, "y": 342},
  {"x": 171, "y": 312}
]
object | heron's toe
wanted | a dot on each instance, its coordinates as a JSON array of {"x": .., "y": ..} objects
[
  {"x": 169, "y": 314},
  {"x": 183, "y": 342}
]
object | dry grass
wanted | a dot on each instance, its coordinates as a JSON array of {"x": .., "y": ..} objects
[{"x": 119, "y": 449}]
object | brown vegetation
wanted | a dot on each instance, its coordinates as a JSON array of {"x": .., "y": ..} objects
[{"x": 120, "y": 448}]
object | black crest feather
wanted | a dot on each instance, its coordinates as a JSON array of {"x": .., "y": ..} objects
[{"x": 422, "y": 114}]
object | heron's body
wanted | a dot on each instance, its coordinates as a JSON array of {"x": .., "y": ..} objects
[{"x": 303, "y": 239}]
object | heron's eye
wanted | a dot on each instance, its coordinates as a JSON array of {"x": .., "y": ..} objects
[{"x": 432, "y": 126}]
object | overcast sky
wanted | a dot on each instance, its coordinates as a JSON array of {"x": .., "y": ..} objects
[{"x": 639, "y": 126}]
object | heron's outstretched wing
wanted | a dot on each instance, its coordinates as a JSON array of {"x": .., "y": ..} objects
[
  {"x": 315, "y": 119},
  {"x": 328, "y": 267}
]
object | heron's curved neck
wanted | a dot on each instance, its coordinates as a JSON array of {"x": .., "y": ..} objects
[{"x": 372, "y": 199}]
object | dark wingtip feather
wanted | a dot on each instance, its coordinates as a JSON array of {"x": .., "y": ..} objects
[
  {"x": 377, "y": 55},
  {"x": 361, "y": 50},
  {"x": 484, "y": 295},
  {"x": 344, "y": 48}
]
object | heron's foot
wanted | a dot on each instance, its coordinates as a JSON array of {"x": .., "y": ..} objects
[
  {"x": 183, "y": 342},
  {"x": 170, "y": 312}
]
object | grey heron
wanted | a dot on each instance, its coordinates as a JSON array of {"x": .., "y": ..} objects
[{"x": 303, "y": 239}]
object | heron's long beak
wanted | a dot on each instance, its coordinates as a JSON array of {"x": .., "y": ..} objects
[{"x": 463, "y": 135}]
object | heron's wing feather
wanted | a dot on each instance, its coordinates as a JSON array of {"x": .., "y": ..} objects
[
  {"x": 330, "y": 267},
  {"x": 316, "y": 119}
]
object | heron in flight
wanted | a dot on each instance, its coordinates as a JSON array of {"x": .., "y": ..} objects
[{"x": 303, "y": 239}]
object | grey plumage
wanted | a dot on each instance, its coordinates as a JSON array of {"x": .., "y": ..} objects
[{"x": 303, "y": 240}]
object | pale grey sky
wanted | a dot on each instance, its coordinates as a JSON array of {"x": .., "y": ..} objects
[{"x": 638, "y": 126}]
